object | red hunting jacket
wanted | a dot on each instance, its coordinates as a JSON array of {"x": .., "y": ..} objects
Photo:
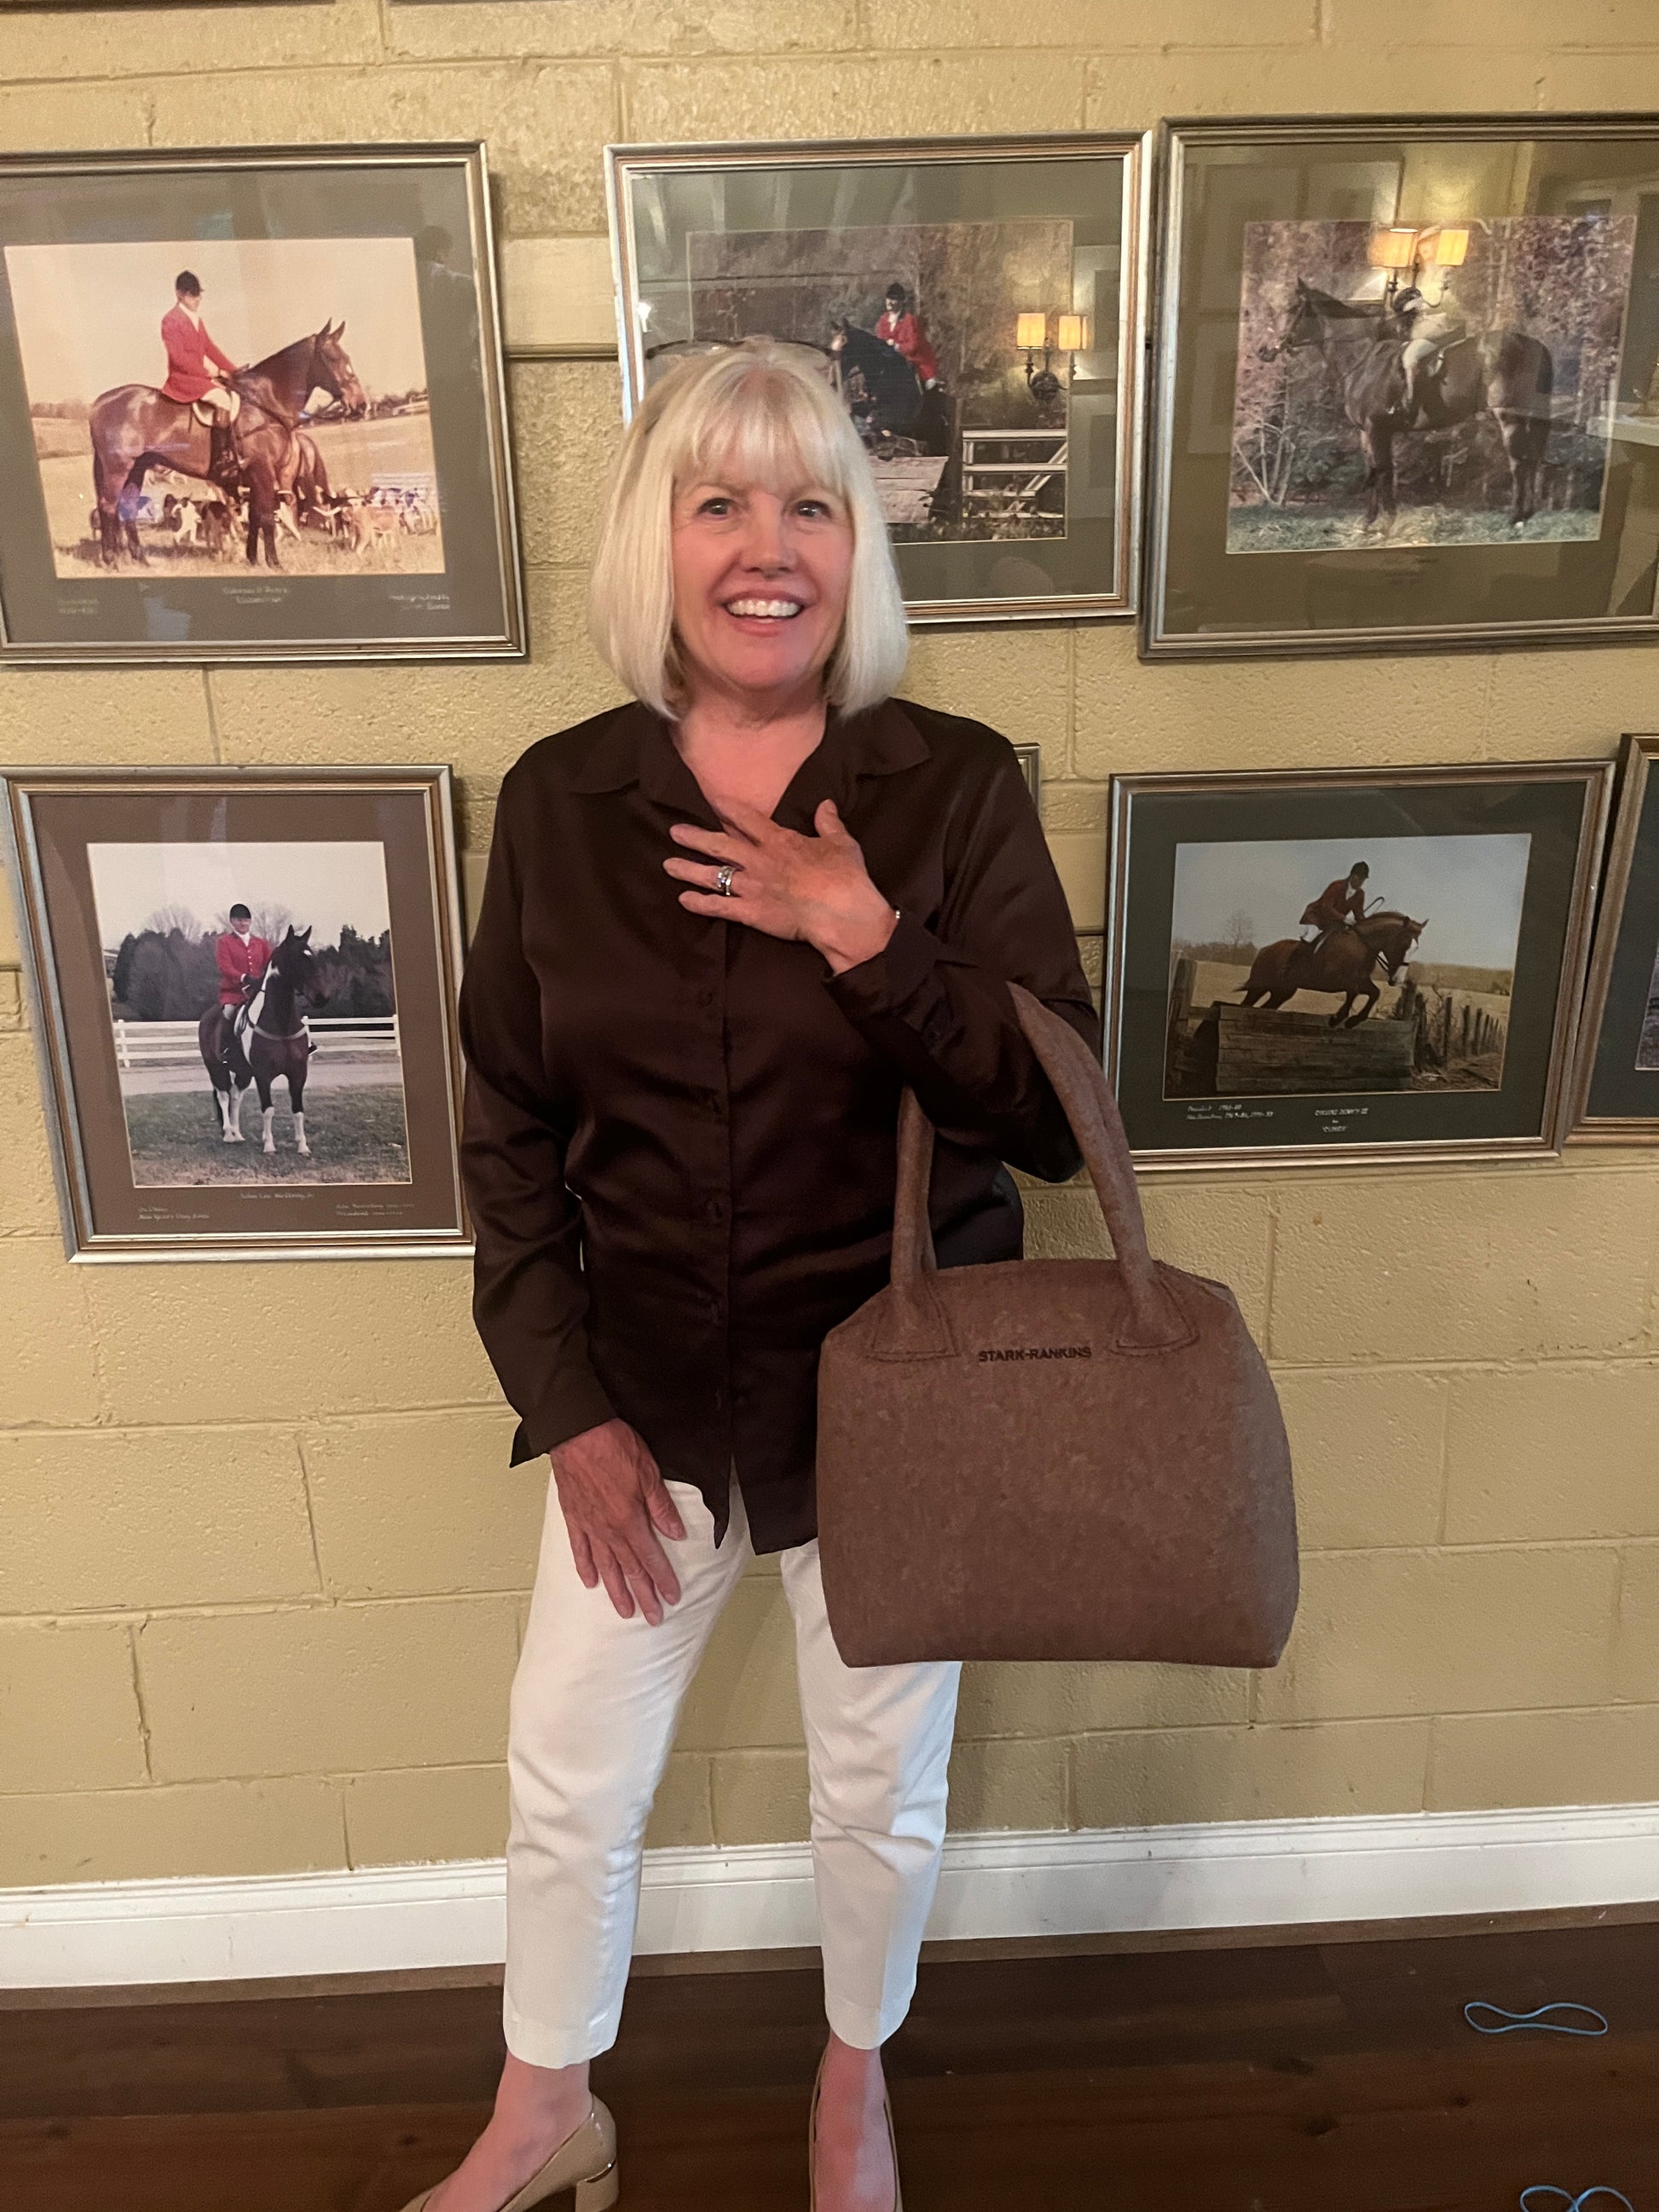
[
  {"x": 238, "y": 956},
  {"x": 189, "y": 351},
  {"x": 906, "y": 334},
  {"x": 1337, "y": 903}
]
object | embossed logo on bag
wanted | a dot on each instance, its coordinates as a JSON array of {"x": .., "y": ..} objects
[{"x": 1039, "y": 1351}]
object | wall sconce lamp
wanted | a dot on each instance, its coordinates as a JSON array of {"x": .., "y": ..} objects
[
  {"x": 1070, "y": 338},
  {"x": 1399, "y": 248},
  {"x": 1030, "y": 331}
]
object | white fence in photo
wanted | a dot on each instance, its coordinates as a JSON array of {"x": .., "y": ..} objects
[
  {"x": 171, "y": 1044},
  {"x": 1011, "y": 487}
]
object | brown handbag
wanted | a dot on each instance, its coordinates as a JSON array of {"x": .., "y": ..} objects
[{"x": 1051, "y": 1459}]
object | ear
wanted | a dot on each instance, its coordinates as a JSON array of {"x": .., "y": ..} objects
[{"x": 305, "y": 937}]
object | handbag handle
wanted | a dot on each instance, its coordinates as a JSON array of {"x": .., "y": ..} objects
[{"x": 1155, "y": 1322}]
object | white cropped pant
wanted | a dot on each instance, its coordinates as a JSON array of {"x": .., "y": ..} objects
[{"x": 595, "y": 1702}]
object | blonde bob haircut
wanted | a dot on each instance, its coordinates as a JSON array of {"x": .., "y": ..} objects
[{"x": 754, "y": 413}]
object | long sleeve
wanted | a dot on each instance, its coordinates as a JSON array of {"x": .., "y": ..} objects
[
  {"x": 216, "y": 355},
  {"x": 529, "y": 1298},
  {"x": 937, "y": 1004}
]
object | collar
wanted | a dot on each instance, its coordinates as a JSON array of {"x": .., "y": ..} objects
[{"x": 634, "y": 745}]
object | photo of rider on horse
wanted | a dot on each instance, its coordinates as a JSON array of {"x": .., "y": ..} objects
[
  {"x": 1466, "y": 405},
  {"x": 251, "y": 430},
  {"x": 254, "y": 1012},
  {"x": 915, "y": 324},
  {"x": 1340, "y": 1006}
]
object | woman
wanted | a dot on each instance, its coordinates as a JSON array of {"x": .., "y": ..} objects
[{"x": 722, "y": 929}]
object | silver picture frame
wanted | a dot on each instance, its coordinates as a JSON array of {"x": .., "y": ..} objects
[
  {"x": 1615, "y": 1089},
  {"x": 1030, "y": 766},
  {"x": 384, "y": 1179},
  {"x": 1372, "y": 590},
  {"x": 1107, "y": 583},
  {"x": 1184, "y": 1108},
  {"x": 356, "y": 592}
]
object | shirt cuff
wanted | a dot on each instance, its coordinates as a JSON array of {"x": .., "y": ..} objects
[
  {"x": 579, "y": 1403},
  {"x": 889, "y": 979}
]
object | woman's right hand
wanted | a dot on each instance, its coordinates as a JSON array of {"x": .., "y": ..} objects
[{"x": 615, "y": 1501}]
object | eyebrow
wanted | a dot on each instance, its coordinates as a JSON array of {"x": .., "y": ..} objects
[{"x": 810, "y": 487}]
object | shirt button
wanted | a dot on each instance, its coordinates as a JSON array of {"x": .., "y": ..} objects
[
  {"x": 715, "y": 1309},
  {"x": 716, "y": 1209}
]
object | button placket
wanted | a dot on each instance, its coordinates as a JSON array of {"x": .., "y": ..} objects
[{"x": 717, "y": 1203}]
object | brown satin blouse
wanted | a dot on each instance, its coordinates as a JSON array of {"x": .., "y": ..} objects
[{"x": 679, "y": 1137}]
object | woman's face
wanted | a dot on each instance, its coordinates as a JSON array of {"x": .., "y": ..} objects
[{"x": 761, "y": 580}]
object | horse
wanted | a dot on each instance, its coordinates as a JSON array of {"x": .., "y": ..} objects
[
  {"x": 136, "y": 428},
  {"x": 896, "y": 402},
  {"x": 278, "y": 1041},
  {"x": 1506, "y": 373},
  {"x": 1346, "y": 962}
]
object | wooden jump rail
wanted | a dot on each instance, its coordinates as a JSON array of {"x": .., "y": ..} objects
[{"x": 1259, "y": 1054}]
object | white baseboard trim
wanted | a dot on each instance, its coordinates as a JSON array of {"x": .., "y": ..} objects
[{"x": 759, "y": 1897}]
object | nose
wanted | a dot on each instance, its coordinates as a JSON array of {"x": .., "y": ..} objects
[{"x": 766, "y": 541}]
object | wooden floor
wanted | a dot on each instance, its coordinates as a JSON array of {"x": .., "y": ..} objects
[{"x": 1315, "y": 2076}]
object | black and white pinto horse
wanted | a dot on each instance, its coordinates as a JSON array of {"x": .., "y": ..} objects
[{"x": 274, "y": 1044}]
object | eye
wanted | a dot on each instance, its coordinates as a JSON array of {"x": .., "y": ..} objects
[
  {"x": 716, "y": 505},
  {"x": 817, "y": 510}
]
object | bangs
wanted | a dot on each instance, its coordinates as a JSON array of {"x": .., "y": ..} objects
[{"x": 764, "y": 428}]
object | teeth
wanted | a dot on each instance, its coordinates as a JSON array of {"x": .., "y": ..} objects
[{"x": 773, "y": 610}]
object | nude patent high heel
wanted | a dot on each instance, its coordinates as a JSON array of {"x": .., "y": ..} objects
[
  {"x": 812, "y": 2145},
  {"x": 586, "y": 2162}
]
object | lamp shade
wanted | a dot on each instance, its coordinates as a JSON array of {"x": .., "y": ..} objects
[
  {"x": 1074, "y": 333},
  {"x": 1392, "y": 249},
  {"x": 1031, "y": 331},
  {"x": 1447, "y": 249}
]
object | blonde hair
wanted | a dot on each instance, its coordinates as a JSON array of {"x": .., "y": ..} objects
[{"x": 758, "y": 413}]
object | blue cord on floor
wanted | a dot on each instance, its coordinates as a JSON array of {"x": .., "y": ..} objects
[
  {"x": 1516, "y": 2019},
  {"x": 1512, "y": 2020}
]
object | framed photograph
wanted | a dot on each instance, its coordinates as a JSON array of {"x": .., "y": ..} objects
[
  {"x": 251, "y": 409},
  {"x": 1348, "y": 965},
  {"x": 243, "y": 988},
  {"x": 1030, "y": 766},
  {"x": 1616, "y": 1087},
  {"x": 975, "y": 301},
  {"x": 1407, "y": 387}
]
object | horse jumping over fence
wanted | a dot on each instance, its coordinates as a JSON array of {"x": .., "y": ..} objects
[
  {"x": 136, "y": 428},
  {"x": 1346, "y": 963},
  {"x": 1506, "y": 373},
  {"x": 278, "y": 1045}
]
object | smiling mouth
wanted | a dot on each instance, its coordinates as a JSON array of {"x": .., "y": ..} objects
[{"x": 764, "y": 609}]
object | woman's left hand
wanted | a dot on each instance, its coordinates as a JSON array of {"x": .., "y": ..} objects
[{"x": 817, "y": 888}]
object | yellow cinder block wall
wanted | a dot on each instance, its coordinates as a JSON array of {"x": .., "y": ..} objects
[{"x": 262, "y": 1616}]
